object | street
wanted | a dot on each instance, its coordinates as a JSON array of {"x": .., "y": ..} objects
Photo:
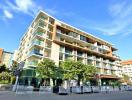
[{"x": 41, "y": 96}]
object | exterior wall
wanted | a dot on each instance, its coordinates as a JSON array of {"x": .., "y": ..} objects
[
  {"x": 1, "y": 53},
  {"x": 55, "y": 53},
  {"x": 6, "y": 58},
  {"x": 46, "y": 35},
  {"x": 15, "y": 55},
  {"x": 127, "y": 68}
]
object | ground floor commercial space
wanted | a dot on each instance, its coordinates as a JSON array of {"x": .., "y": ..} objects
[{"x": 29, "y": 77}]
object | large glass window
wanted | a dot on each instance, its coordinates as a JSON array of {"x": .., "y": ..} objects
[
  {"x": 61, "y": 48},
  {"x": 98, "y": 63},
  {"x": 79, "y": 53},
  {"x": 79, "y": 59},
  {"x": 89, "y": 61},
  {"x": 61, "y": 56},
  {"x": 68, "y": 50},
  {"x": 67, "y": 56}
]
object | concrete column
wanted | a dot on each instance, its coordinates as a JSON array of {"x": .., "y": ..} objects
[
  {"x": 51, "y": 82},
  {"x": 99, "y": 81},
  {"x": 65, "y": 84}
]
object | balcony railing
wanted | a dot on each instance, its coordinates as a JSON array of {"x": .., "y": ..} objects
[
  {"x": 80, "y": 54},
  {"x": 48, "y": 46},
  {"x": 39, "y": 43},
  {"x": 90, "y": 57},
  {"x": 39, "y": 25},
  {"x": 80, "y": 43},
  {"x": 32, "y": 63},
  {"x": 98, "y": 59},
  {"x": 35, "y": 53},
  {"x": 39, "y": 33}
]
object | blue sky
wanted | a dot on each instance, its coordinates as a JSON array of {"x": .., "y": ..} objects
[{"x": 110, "y": 20}]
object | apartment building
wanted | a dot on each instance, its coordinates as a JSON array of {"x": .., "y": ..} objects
[
  {"x": 127, "y": 68},
  {"x": 5, "y": 57},
  {"x": 48, "y": 37}
]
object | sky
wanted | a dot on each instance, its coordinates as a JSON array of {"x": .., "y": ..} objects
[{"x": 110, "y": 20}]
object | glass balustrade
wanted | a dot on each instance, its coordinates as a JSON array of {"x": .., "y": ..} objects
[{"x": 35, "y": 52}]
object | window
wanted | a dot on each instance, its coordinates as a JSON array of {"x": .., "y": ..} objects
[
  {"x": 61, "y": 56},
  {"x": 61, "y": 48},
  {"x": 83, "y": 38},
  {"x": 68, "y": 50},
  {"x": 89, "y": 61},
  {"x": 67, "y": 56},
  {"x": 79, "y": 53},
  {"x": 97, "y": 63}
]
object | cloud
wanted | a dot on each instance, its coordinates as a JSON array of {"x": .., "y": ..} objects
[
  {"x": 52, "y": 11},
  {"x": 7, "y": 14},
  {"x": 116, "y": 9},
  {"x": 120, "y": 21},
  {"x": 20, "y": 6}
]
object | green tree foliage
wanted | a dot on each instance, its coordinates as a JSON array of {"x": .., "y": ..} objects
[
  {"x": 14, "y": 65},
  {"x": 46, "y": 68},
  {"x": 2, "y": 68},
  {"x": 77, "y": 70},
  {"x": 126, "y": 78},
  {"x": 5, "y": 76}
]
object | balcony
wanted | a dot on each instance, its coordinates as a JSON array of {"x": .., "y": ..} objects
[
  {"x": 49, "y": 35},
  {"x": 48, "y": 46},
  {"x": 37, "y": 43},
  {"x": 35, "y": 53},
  {"x": 98, "y": 64},
  {"x": 47, "y": 53},
  {"x": 80, "y": 54},
  {"x": 68, "y": 56},
  {"x": 98, "y": 59},
  {"x": 80, "y": 59},
  {"x": 40, "y": 35},
  {"x": 90, "y": 57},
  {"x": 44, "y": 18},
  {"x": 106, "y": 67},
  {"x": 62, "y": 49},
  {"x": 106, "y": 61},
  {"x": 106, "y": 47},
  {"x": 68, "y": 51},
  {"x": 32, "y": 63},
  {"x": 41, "y": 25},
  {"x": 114, "y": 55},
  {"x": 113, "y": 63}
]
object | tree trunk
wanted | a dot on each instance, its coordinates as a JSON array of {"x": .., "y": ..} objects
[{"x": 78, "y": 81}]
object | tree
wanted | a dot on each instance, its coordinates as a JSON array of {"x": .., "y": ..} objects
[
  {"x": 89, "y": 72},
  {"x": 14, "y": 65},
  {"x": 5, "y": 76},
  {"x": 77, "y": 70},
  {"x": 126, "y": 78},
  {"x": 2, "y": 68},
  {"x": 46, "y": 69}
]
